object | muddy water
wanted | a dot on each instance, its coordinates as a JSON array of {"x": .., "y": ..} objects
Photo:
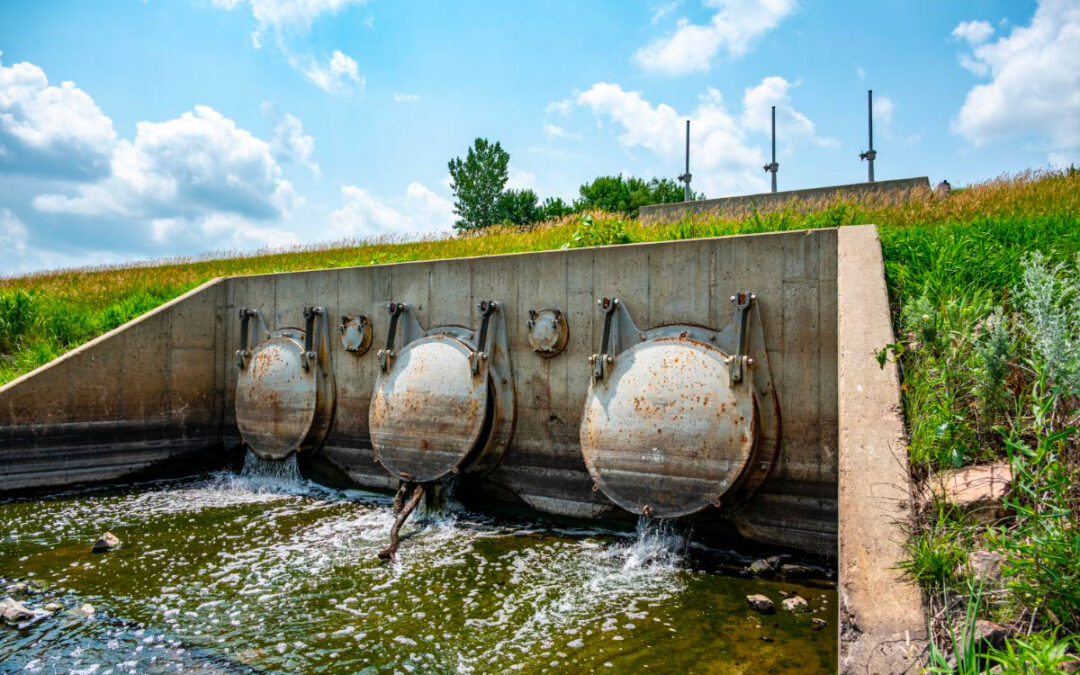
[{"x": 235, "y": 573}]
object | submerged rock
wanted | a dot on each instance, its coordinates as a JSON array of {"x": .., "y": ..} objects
[
  {"x": 14, "y": 612},
  {"x": 17, "y": 590},
  {"x": 765, "y": 566},
  {"x": 106, "y": 542},
  {"x": 818, "y": 624},
  {"x": 792, "y": 571},
  {"x": 761, "y": 603},
  {"x": 85, "y": 610},
  {"x": 796, "y": 604},
  {"x": 53, "y": 607}
]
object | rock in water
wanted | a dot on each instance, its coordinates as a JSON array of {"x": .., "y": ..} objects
[
  {"x": 795, "y": 571},
  {"x": 53, "y": 607},
  {"x": 765, "y": 566},
  {"x": 85, "y": 610},
  {"x": 761, "y": 603},
  {"x": 106, "y": 542},
  {"x": 796, "y": 605},
  {"x": 14, "y": 612}
]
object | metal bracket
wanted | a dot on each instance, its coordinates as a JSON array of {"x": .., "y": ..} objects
[
  {"x": 386, "y": 355},
  {"x": 315, "y": 319},
  {"x": 619, "y": 333},
  {"x": 483, "y": 350},
  {"x": 740, "y": 361},
  {"x": 244, "y": 353}
]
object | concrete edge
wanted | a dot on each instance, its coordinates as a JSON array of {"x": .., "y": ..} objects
[
  {"x": 882, "y": 619},
  {"x": 165, "y": 307}
]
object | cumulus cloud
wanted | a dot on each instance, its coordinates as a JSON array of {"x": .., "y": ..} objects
[
  {"x": 193, "y": 166},
  {"x": 973, "y": 32},
  {"x": 791, "y": 125},
  {"x": 1034, "y": 79},
  {"x": 725, "y": 161},
  {"x": 340, "y": 75},
  {"x": 733, "y": 27},
  {"x": 362, "y": 214},
  {"x": 405, "y": 98},
  {"x": 883, "y": 110},
  {"x": 51, "y": 131},
  {"x": 289, "y": 143}
]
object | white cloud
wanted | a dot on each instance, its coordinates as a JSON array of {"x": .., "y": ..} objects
[
  {"x": 1034, "y": 82},
  {"x": 361, "y": 214},
  {"x": 734, "y": 25},
  {"x": 340, "y": 75},
  {"x": 405, "y": 98},
  {"x": 791, "y": 125},
  {"x": 555, "y": 131},
  {"x": 883, "y": 110},
  {"x": 12, "y": 233},
  {"x": 289, "y": 142},
  {"x": 282, "y": 15},
  {"x": 519, "y": 179},
  {"x": 973, "y": 32},
  {"x": 193, "y": 166},
  {"x": 662, "y": 10},
  {"x": 860, "y": 73},
  {"x": 723, "y": 159},
  {"x": 561, "y": 108},
  {"x": 48, "y": 130}
]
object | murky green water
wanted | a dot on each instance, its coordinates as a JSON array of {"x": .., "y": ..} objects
[{"x": 231, "y": 574}]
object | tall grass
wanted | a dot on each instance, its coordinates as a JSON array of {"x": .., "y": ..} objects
[{"x": 44, "y": 315}]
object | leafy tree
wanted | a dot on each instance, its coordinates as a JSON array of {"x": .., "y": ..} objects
[
  {"x": 518, "y": 207},
  {"x": 554, "y": 207},
  {"x": 477, "y": 183},
  {"x": 617, "y": 194}
]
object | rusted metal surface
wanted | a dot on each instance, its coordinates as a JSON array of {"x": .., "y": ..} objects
[
  {"x": 548, "y": 331},
  {"x": 428, "y": 410},
  {"x": 275, "y": 397},
  {"x": 355, "y": 334},
  {"x": 283, "y": 404},
  {"x": 665, "y": 433}
]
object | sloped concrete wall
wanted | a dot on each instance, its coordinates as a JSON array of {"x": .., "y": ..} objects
[{"x": 133, "y": 401}]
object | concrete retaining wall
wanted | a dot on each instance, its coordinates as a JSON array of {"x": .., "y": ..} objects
[
  {"x": 142, "y": 399},
  {"x": 770, "y": 201},
  {"x": 884, "y": 628},
  {"x": 162, "y": 387}
]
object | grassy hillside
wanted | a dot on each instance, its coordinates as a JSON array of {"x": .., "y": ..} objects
[{"x": 985, "y": 287}]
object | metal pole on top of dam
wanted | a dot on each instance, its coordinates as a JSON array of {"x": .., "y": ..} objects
[
  {"x": 685, "y": 178},
  {"x": 772, "y": 167},
  {"x": 870, "y": 154}
]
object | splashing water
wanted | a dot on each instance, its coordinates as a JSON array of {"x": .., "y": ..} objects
[
  {"x": 224, "y": 574},
  {"x": 271, "y": 471}
]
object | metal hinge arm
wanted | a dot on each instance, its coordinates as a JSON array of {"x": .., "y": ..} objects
[
  {"x": 385, "y": 355},
  {"x": 483, "y": 351}
]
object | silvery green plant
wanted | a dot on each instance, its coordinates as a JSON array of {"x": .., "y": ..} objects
[
  {"x": 994, "y": 350},
  {"x": 1050, "y": 297}
]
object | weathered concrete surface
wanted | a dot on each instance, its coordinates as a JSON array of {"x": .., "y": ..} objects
[
  {"x": 792, "y": 273},
  {"x": 142, "y": 396},
  {"x": 882, "y": 624},
  {"x": 769, "y": 201}
]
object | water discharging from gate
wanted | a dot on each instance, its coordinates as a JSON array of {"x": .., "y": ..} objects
[{"x": 231, "y": 573}]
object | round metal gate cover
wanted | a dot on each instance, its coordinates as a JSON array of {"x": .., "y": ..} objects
[
  {"x": 664, "y": 432},
  {"x": 276, "y": 398},
  {"x": 428, "y": 411}
]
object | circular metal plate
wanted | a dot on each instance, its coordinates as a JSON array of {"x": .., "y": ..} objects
[
  {"x": 276, "y": 398},
  {"x": 428, "y": 411},
  {"x": 664, "y": 429}
]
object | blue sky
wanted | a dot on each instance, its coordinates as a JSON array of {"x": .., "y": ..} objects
[{"x": 133, "y": 130}]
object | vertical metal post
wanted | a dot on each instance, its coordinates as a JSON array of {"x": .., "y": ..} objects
[
  {"x": 871, "y": 154},
  {"x": 772, "y": 166},
  {"x": 685, "y": 178}
]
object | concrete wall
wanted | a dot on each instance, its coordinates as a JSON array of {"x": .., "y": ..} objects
[
  {"x": 164, "y": 385},
  {"x": 770, "y": 201},
  {"x": 883, "y": 630},
  {"x": 793, "y": 274},
  {"x": 141, "y": 399}
]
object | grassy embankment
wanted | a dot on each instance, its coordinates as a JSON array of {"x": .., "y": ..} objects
[{"x": 984, "y": 292}]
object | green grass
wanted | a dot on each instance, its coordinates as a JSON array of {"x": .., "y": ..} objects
[{"x": 981, "y": 378}]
